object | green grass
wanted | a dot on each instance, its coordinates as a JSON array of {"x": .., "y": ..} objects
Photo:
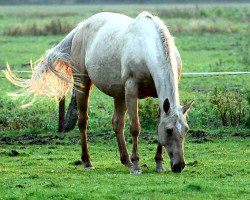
[
  {"x": 216, "y": 169},
  {"x": 209, "y": 37},
  {"x": 206, "y": 52}
]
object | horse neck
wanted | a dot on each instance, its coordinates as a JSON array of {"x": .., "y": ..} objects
[
  {"x": 164, "y": 75},
  {"x": 166, "y": 87}
]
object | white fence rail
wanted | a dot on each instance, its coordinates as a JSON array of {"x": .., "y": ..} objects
[
  {"x": 184, "y": 74},
  {"x": 61, "y": 112},
  {"x": 214, "y": 73}
]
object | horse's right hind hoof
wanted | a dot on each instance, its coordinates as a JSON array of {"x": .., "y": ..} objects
[
  {"x": 88, "y": 165},
  {"x": 127, "y": 164},
  {"x": 125, "y": 160},
  {"x": 89, "y": 168}
]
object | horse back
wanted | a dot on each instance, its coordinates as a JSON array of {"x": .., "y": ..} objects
[{"x": 97, "y": 49}]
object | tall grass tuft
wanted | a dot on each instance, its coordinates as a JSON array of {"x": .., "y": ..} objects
[
  {"x": 230, "y": 105},
  {"x": 149, "y": 113},
  {"x": 248, "y": 100}
]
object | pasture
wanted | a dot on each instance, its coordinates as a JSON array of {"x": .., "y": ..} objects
[
  {"x": 36, "y": 163},
  {"x": 49, "y": 168}
]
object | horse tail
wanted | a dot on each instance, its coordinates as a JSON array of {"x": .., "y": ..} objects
[{"x": 52, "y": 75}]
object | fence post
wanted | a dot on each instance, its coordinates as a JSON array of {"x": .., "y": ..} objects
[
  {"x": 61, "y": 115},
  {"x": 71, "y": 115}
]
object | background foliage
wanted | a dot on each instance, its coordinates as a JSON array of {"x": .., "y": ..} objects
[
  {"x": 209, "y": 37},
  {"x": 67, "y": 2},
  {"x": 37, "y": 163}
]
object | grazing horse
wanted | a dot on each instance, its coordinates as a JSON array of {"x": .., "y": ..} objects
[{"x": 127, "y": 59}]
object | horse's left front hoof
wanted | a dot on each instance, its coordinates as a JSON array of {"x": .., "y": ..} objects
[
  {"x": 160, "y": 170},
  {"x": 159, "y": 167}
]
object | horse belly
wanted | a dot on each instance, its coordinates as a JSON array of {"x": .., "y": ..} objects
[
  {"x": 107, "y": 79},
  {"x": 103, "y": 64},
  {"x": 146, "y": 89}
]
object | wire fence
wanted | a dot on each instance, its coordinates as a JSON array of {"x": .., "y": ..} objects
[
  {"x": 184, "y": 74},
  {"x": 70, "y": 120},
  {"x": 211, "y": 74}
]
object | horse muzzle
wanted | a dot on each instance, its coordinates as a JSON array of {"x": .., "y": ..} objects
[{"x": 178, "y": 167}]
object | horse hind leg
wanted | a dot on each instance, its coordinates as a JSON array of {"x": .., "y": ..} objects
[
  {"x": 118, "y": 122},
  {"x": 82, "y": 97}
]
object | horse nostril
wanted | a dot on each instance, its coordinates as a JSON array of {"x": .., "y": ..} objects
[{"x": 177, "y": 168}]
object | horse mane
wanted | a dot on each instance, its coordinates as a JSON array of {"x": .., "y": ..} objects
[
  {"x": 167, "y": 41},
  {"x": 166, "y": 38}
]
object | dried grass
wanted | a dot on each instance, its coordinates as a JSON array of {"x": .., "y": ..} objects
[{"x": 53, "y": 27}]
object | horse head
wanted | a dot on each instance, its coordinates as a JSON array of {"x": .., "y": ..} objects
[{"x": 172, "y": 131}]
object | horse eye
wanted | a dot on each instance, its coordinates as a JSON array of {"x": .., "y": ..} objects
[{"x": 169, "y": 131}]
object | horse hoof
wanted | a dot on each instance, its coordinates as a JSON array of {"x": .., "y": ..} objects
[
  {"x": 160, "y": 170},
  {"x": 128, "y": 164},
  {"x": 136, "y": 171},
  {"x": 89, "y": 168},
  {"x": 88, "y": 165},
  {"x": 126, "y": 161}
]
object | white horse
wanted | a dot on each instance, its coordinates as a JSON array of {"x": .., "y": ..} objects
[{"x": 128, "y": 59}]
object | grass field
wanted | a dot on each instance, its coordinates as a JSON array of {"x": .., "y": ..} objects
[
  {"x": 216, "y": 169},
  {"x": 35, "y": 163}
]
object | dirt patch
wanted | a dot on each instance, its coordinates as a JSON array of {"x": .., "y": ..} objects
[
  {"x": 20, "y": 186},
  {"x": 241, "y": 135},
  {"x": 14, "y": 153},
  {"x": 195, "y": 136},
  {"x": 199, "y": 136},
  {"x": 194, "y": 163},
  {"x": 194, "y": 187},
  {"x": 76, "y": 163},
  {"x": 29, "y": 139},
  {"x": 150, "y": 138}
]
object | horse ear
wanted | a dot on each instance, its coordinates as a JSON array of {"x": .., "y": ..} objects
[
  {"x": 187, "y": 107},
  {"x": 166, "y": 105}
]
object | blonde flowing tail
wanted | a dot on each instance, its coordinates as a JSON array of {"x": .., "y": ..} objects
[{"x": 52, "y": 75}]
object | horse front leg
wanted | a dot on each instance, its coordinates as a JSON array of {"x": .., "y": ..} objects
[
  {"x": 82, "y": 97},
  {"x": 131, "y": 96},
  {"x": 118, "y": 122},
  {"x": 159, "y": 158}
]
